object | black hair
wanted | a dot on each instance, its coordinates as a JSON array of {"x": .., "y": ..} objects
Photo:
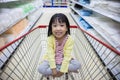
[{"x": 61, "y": 18}]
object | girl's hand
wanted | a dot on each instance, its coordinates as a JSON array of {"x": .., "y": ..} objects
[
  {"x": 59, "y": 74},
  {"x": 54, "y": 72}
]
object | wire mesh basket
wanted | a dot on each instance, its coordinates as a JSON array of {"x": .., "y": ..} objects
[{"x": 19, "y": 59}]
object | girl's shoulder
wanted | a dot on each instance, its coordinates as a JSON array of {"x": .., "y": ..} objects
[
  {"x": 50, "y": 38},
  {"x": 70, "y": 37}
]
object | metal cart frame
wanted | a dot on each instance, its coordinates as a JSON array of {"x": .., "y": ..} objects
[{"x": 19, "y": 59}]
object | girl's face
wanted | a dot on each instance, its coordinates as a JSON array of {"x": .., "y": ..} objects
[{"x": 59, "y": 29}]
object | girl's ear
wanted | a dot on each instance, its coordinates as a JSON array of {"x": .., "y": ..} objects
[{"x": 67, "y": 31}]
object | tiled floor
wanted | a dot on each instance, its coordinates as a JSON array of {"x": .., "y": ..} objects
[{"x": 48, "y": 12}]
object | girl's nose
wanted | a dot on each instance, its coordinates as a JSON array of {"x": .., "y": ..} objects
[{"x": 58, "y": 27}]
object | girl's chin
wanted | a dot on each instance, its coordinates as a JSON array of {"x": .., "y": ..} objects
[{"x": 58, "y": 37}]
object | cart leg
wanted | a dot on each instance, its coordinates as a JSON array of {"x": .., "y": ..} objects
[
  {"x": 72, "y": 77},
  {"x": 45, "y": 77},
  {"x": 41, "y": 77},
  {"x": 48, "y": 78},
  {"x": 66, "y": 76}
]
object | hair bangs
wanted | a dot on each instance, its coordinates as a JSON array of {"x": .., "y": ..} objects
[{"x": 59, "y": 19}]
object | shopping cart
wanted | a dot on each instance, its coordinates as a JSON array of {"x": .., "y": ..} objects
[{"x": 19, "y": 60}]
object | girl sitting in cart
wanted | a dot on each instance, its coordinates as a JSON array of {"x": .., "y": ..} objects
[{"x": 58, "y": 59}]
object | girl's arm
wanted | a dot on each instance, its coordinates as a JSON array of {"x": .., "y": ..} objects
[
  {"x": 67, "y": 55},
  {"x": 50, "y": 53},
  {"x": 51, "y": 56}
]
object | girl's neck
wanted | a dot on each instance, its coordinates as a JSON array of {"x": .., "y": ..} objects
[{"x": 61, "y": 39}]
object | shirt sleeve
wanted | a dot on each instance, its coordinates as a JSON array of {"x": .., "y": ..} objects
[
  {"x": 50, "y": 53},
  {"x": 67, "y": 55}
]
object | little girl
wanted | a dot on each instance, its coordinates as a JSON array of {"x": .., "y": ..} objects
[{"x": 58, "y": 59}]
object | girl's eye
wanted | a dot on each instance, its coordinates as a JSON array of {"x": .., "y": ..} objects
[
  {"x": 54, "y": 25},
  {"x": 62, "y": 25}
]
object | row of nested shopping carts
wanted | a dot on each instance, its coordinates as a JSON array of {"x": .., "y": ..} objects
[{"x": 19, "y": 59}]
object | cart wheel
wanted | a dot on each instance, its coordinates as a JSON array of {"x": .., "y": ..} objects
[{"x": 48, "y": 78}]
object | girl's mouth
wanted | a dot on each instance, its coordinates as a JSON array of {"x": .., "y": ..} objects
[{"x": 58, "y": 33}]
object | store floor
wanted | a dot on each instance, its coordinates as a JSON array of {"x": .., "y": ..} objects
[{"x": 48, "y": 12}]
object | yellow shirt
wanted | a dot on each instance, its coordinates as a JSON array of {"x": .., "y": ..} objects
[{"x": 67, "y": 49}]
